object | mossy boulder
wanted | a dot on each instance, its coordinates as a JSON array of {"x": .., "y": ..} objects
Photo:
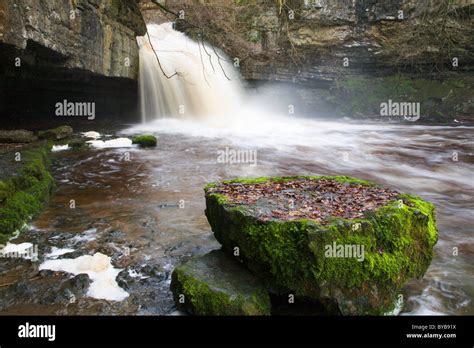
[
  {"x": 74, "y": 143},
  {"x": 145, "y": 140},
  {"x": 17, "y": 136},
  {"x": 217, "y": 284},
  {"x": 23, "y": 194},
  {"x": 58, "y": 133},
  {"x": 301, "y": 255},
  {"x": 77, "y": 143}
]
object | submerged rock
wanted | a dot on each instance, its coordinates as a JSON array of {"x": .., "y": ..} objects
[
  {"x": 216, "y": 284},
  {"x": 57, "y": 133},
  {"x": 145, "y": 140},
  {"x": 17, "y": 136},
  {"x": 353, "y": 262}
]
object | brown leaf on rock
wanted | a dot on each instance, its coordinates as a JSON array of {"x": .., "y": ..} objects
[{"x": 312, "y": 199}]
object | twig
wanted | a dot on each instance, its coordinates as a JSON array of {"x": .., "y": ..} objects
[
  {"x": 210, "y": 57},
  {"x": 219, "y": 61},
  {"x": 202, "y": 63},
  {"x": 158, "y": 59}
]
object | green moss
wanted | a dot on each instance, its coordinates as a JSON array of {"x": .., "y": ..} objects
[
  {"x": 6, "y": 190},
  {"x": 74, "y": 143},
  {"x": 205, "y": 301},
  {"x": 255, "y": 36},
  {"x": 215, "y": 284},
  {"x": 57, "y": 133},
  {"x": 290, "y": 255},
  {"x": 25, "y": 193},
  {"x": 145, "y": 140},
  {"x": 77, "y": 143},
  {"x": 339, "y": 178},
  {"x": 241, "y": 2}
]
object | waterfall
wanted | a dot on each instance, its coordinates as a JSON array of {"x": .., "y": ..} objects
[{"x": 189, "y": 79}]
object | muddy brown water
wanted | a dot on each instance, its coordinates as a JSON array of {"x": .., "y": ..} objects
[{"x": 145, "y": 207}]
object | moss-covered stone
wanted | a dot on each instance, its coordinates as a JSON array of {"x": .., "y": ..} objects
[
  {"x": 17, "y": 136},
  {"x": 216, "y": 284},
  {"x": 23, "y": 195},
  {"x": 77, "y": 143},
  {"x": 74, "y": 143},
  {"x": 397, "y": 238},
  {"x": 146, "y": 140},
  {"x": 57, "y": 133}
]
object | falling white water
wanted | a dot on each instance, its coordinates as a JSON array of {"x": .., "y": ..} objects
[{"x": 185, "y": 78}]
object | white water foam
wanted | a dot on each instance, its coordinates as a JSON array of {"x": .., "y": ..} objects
[
  {"x": 91, "y": 135},
  {"x": 99, "y": 269},
  {"x": 57, "y": 148},
  {"x": 56, "y": 252},
  {"x": 86, "y": 236},
  {"x": 113, "y": 143}
]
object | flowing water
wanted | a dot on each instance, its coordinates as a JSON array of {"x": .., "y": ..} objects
[
  {"x": 144, "y": 208},
  {"x": 184, "y": 78}
]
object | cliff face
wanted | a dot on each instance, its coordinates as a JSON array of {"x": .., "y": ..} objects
[
  {"x": 322, "y": 39},
  {"x": 329, "y": 50},
  {"x": 91, "y": 35},
  {"x": 79, "y": 50}
]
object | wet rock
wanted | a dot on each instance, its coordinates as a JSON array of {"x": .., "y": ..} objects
[
  {"x": 17, "y": 136},
  {"x": 216, "y": 284},
  {"x": 46, "y": 273},
  {"x": 352, "y": 266},
  {"x": 57, "y": 133},
  {"x": 72, "y": 255},
  {"x": 154, "y": 271},
  {"x": 80, "y": 283}
]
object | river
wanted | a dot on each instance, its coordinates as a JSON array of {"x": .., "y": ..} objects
[{"x": 144, "y": 208}]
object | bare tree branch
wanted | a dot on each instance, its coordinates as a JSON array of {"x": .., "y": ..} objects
[
  {"x": 200, "y": 34},
  {"x": 158, "y": 59}
]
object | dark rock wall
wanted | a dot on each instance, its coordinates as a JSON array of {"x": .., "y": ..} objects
[{"x": 79, "y": 50}]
